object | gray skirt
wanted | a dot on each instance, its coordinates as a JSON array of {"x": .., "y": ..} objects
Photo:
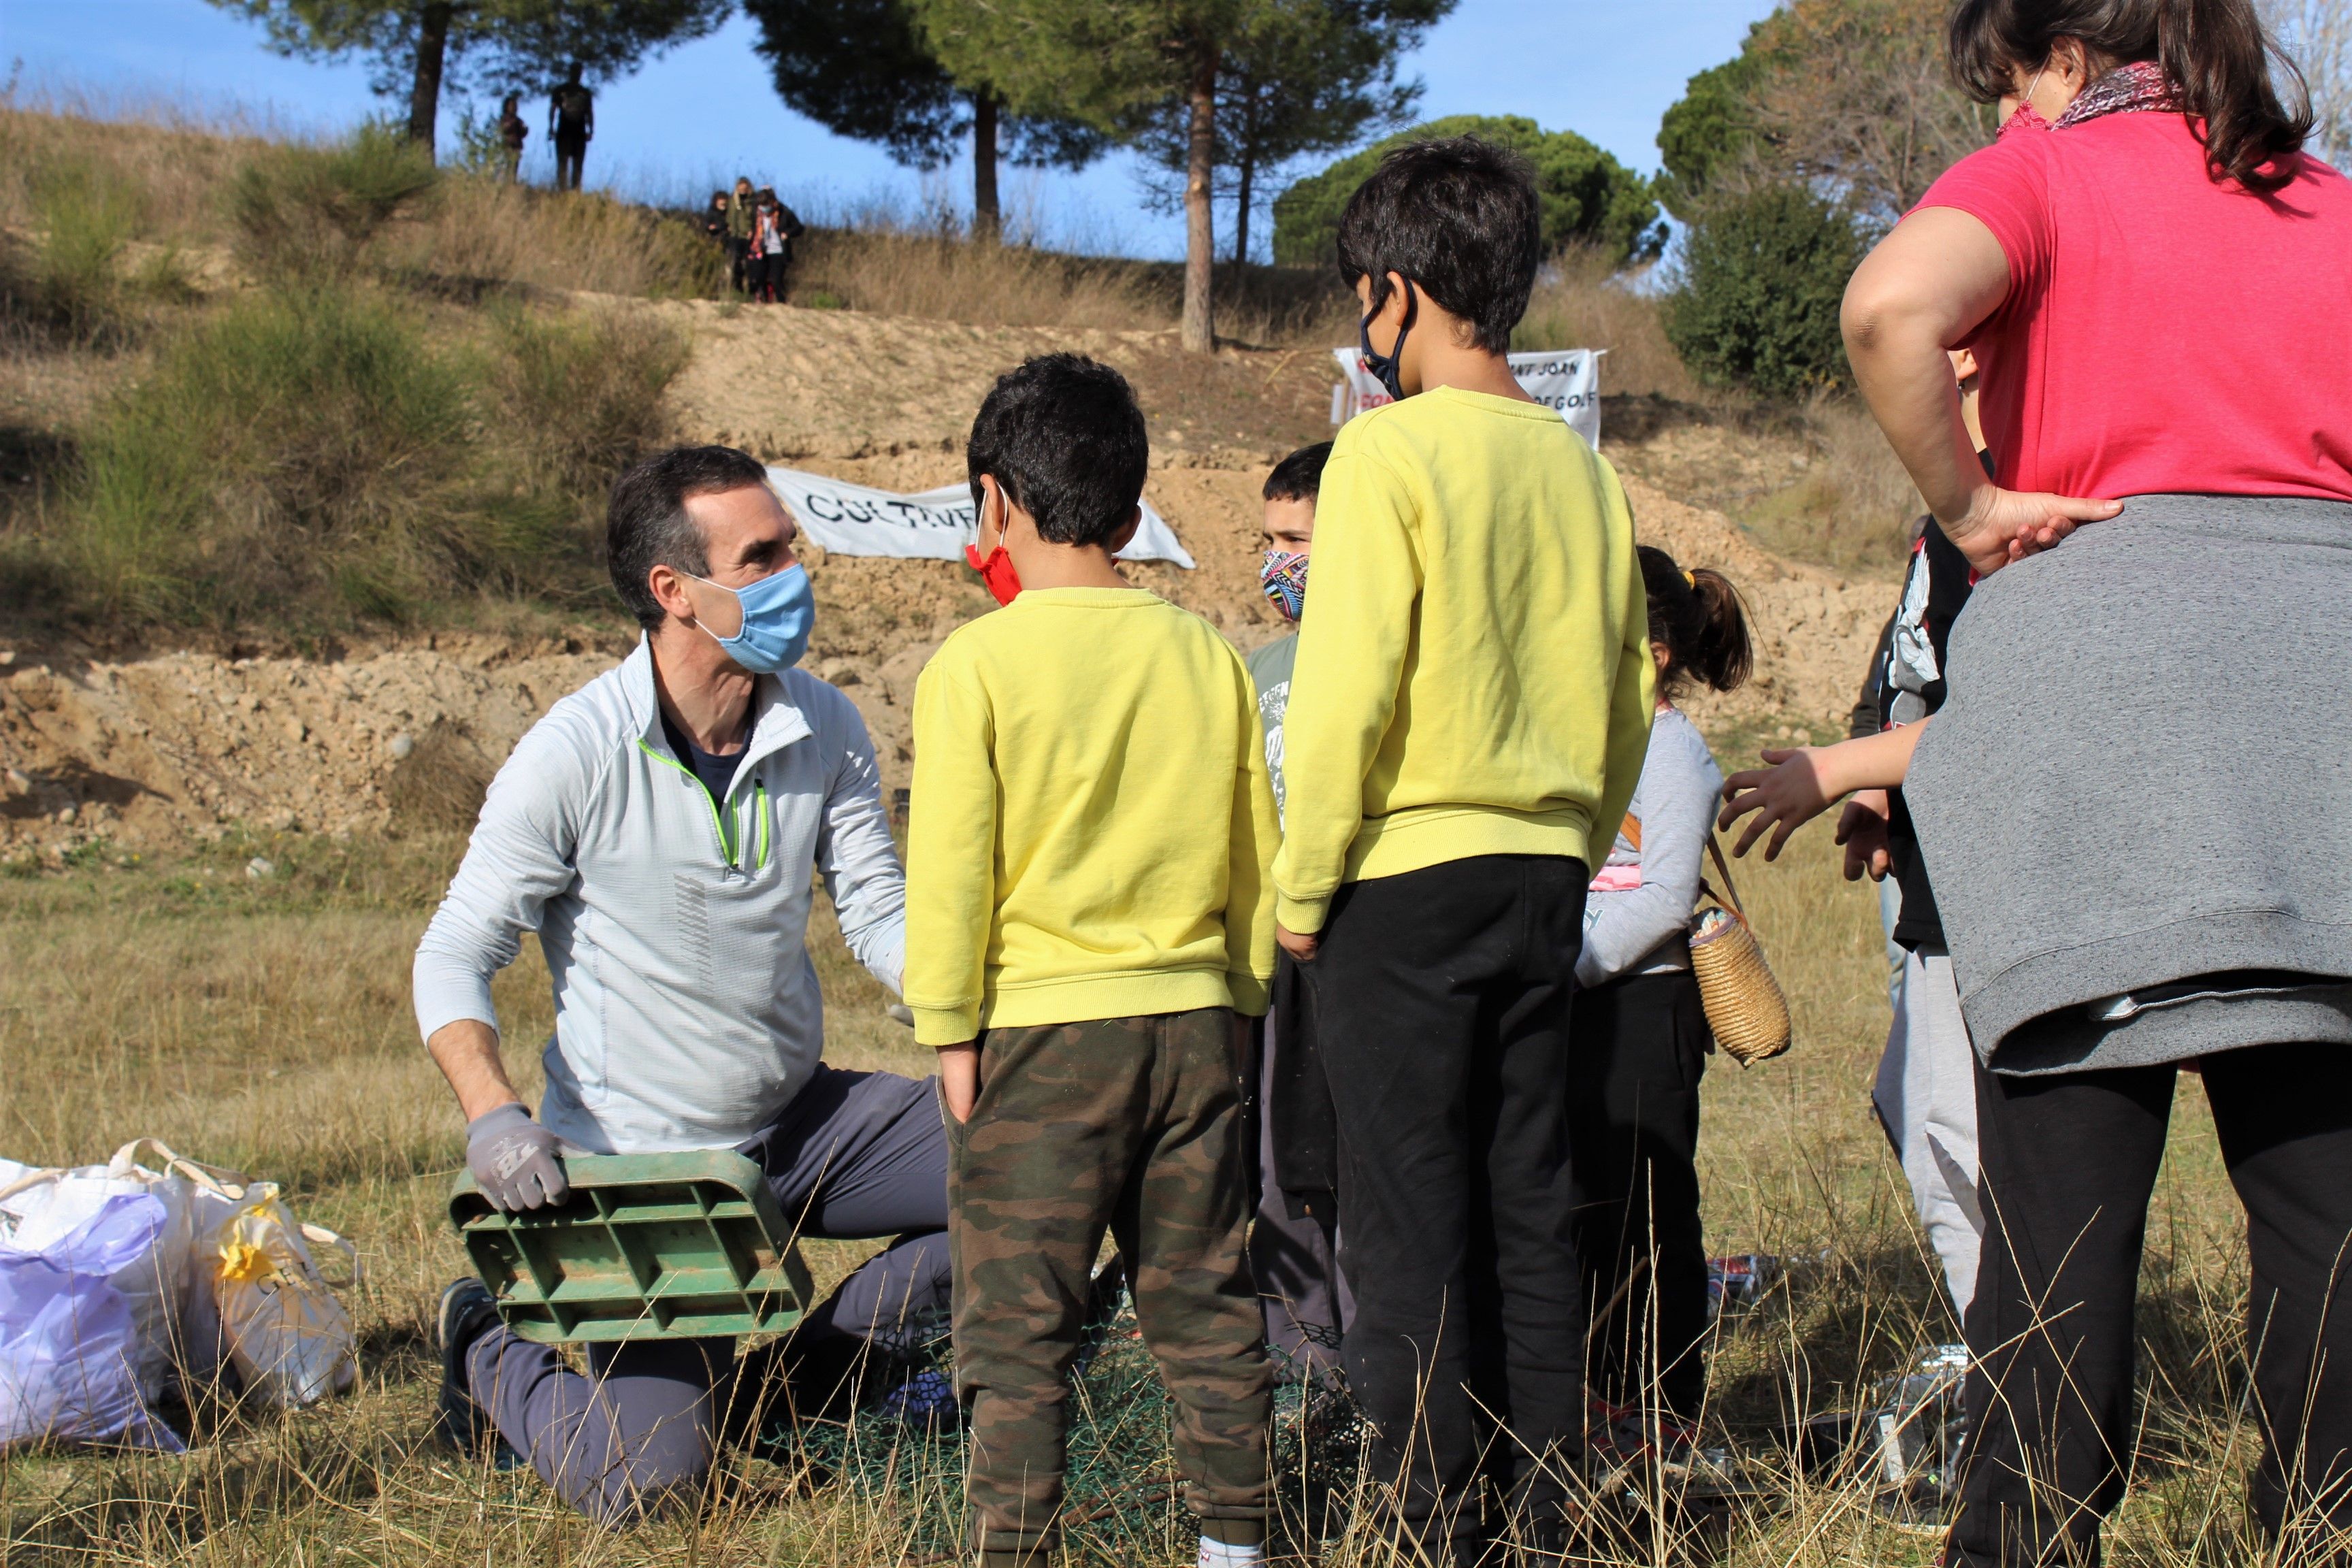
[{"x": 2136, "y": 805}]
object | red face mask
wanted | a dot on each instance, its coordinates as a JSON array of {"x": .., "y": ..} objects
[{"x": 1002, "y": 582}]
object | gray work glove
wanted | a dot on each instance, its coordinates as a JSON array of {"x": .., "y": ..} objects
[{"x": 513, "y": 1160}]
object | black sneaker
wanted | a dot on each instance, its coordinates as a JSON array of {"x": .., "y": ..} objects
[{"x": 466, "y": 1312}]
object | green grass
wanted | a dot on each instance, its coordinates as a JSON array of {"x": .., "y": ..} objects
[{"x": 265, "y": 1024}]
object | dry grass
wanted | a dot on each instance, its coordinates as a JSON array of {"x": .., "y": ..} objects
[
  {"x": 1851, "y": 507},
  {"x": 265, "y": 1024},
  {"x": 1582, "y": 301}
]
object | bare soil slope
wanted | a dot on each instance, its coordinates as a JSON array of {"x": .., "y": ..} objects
[{"x": 148, "y": 750}]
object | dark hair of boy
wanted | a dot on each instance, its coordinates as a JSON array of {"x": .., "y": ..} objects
[
  {"x": 1699, "y": 621},
  {"x": 1459, "y": 220},
  {"x": 1065, "y": 438},
  {"x": 1299, "y": 476},
  {"x": 646, "y": 523}
]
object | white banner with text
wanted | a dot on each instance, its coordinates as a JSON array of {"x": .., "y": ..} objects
[
  {"x": 935, "y": 525},
  {"x": 1568, "y": 380}
]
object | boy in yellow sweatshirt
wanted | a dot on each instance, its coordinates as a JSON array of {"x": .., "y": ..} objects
[
  {"x": 1088, "y": 922},
  {"x": 1467, "y": 718}
]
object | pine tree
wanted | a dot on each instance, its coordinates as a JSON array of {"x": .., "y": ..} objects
[
  {"x": 424, "y": 45},
  {"x": 1124, "y": 66},
  {"x": 862, "y": 69},
  {"x": 1306, "y": 80}
]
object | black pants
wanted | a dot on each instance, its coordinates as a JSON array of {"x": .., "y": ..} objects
[
  {"x": 571, "y": 153},
  {"x": 1636, "y": 1052},
  {"x": 768, "y": 277},
  {"x": 2068, "y": 1162},
  {"x": 739, "y": 256},
  {"x": 1442, "y": 1004}
]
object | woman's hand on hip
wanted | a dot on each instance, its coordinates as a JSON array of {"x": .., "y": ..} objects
[{"x": 2005, "y": 526}]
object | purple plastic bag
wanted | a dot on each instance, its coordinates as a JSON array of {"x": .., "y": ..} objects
[{"x": 68, "y": 1345}]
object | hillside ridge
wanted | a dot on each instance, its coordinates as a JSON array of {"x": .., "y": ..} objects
[{"x": 145, "y": 750}]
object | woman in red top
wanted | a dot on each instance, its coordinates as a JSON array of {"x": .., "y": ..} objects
[{"x": 2139, "y": 830}]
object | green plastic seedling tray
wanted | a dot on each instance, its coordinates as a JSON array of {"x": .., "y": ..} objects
[{"x": 687, "y": 1245}]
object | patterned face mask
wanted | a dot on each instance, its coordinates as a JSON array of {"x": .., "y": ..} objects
[
  {"x": 2026, "y": 118},
  {"x": 1284, "y": 577}
]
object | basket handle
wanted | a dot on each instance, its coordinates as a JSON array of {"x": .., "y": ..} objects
[{"x": 1723, "y": 869}]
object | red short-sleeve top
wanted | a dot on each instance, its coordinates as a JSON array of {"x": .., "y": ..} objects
[{"x": 2162, "y": 332}]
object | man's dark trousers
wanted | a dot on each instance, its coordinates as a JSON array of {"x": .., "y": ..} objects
[
  {"x": 571, "y": 156},
  {"x": 1441, "y": 999}
]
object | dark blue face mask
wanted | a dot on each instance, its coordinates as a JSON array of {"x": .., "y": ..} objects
[{"x": 1384, "y": 366}]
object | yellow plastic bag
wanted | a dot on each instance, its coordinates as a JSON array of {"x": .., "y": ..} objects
[{"x": 289, "y": 1337}]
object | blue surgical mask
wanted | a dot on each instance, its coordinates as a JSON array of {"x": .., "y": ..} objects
[
  {"x": 1384, "y": 366},
  {"x": 778, "y": 611}
]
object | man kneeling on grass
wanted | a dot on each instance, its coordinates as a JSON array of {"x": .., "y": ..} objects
[{"x": 658, "y": 829}]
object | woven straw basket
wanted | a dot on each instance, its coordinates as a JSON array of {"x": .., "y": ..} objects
[{"x": 1745, "y": 1006}]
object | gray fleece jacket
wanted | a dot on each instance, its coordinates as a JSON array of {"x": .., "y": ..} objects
[{"x": 1637, "y": 916}]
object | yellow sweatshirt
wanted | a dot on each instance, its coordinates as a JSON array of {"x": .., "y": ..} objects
[
  {"x": 1091, "y": 821},
  {"x": 1474, "y": 673}
]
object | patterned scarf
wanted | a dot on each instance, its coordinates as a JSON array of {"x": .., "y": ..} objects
[
  {"x": 2140, "y": 87},
  {"x": 1284, "y": 578}
]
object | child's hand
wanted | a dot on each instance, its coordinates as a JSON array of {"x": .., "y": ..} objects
[
  {"x": 1784, "y": 796},
  {"x": 1862, "y": 828},
  {"x": 1300, "y": 948},
  {"x": 959, "y": 1079}
]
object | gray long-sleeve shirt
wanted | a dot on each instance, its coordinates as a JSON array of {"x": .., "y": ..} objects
[
  {"x": 1637, "y": 917},
  {"x": 687, "y": 1011}
]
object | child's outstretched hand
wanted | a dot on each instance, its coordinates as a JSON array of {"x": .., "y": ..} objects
[
  {"x": 1784, "y": 797},
  {"x": 1862, "y": 828}
]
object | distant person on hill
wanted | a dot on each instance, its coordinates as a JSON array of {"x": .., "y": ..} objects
[
  {"x": 714, "y": 218},
  {"x": 512, "y": 134},
  {"x": 774, "y": 227},
  {"x": 1467, "y": 721},
  {"x": 571, "y": 125},
  {"x": 1291, "y": 1246},
  {"x": 2133, "y": 799},
  {"x": 742, "y": 205},
  {"x": 1637, "y": 1047},
  {"x": 660, "y": 830}
]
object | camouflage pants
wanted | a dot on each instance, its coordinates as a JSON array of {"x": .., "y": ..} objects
[{"x": 1134, "y": 1125}]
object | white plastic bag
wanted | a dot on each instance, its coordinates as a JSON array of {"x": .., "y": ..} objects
[
  {"x": 39, "y": 1207},
  {"x": 203, "y": 1198},
  {"x": 69, "y": 1342},
  {"x": 289, "y": 1337}
]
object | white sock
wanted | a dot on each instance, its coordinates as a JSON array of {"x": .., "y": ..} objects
[{"x": 1217, "y": 1554}]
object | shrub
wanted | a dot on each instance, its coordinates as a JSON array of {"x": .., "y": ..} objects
[
  {"x": 296, "y": 440},
  {"x": 1582, "y": 301},
  {"x": 65, "y": 276},
  {"x": 579, "y": 397},
  {"x": 1763, "y": 274},
  {"x": 300, "y": 209},
  {"x": 306, "y": 459},
  {"x": 1587, "y": 197}
]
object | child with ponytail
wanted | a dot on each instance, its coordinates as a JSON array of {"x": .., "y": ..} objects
[{"x": 1638, "y": 1045}]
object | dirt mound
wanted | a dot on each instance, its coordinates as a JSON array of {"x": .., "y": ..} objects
[{"x": 145, "y": 751}]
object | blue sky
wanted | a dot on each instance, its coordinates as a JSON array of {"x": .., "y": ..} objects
[{"x": 1607, "y": 69}]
